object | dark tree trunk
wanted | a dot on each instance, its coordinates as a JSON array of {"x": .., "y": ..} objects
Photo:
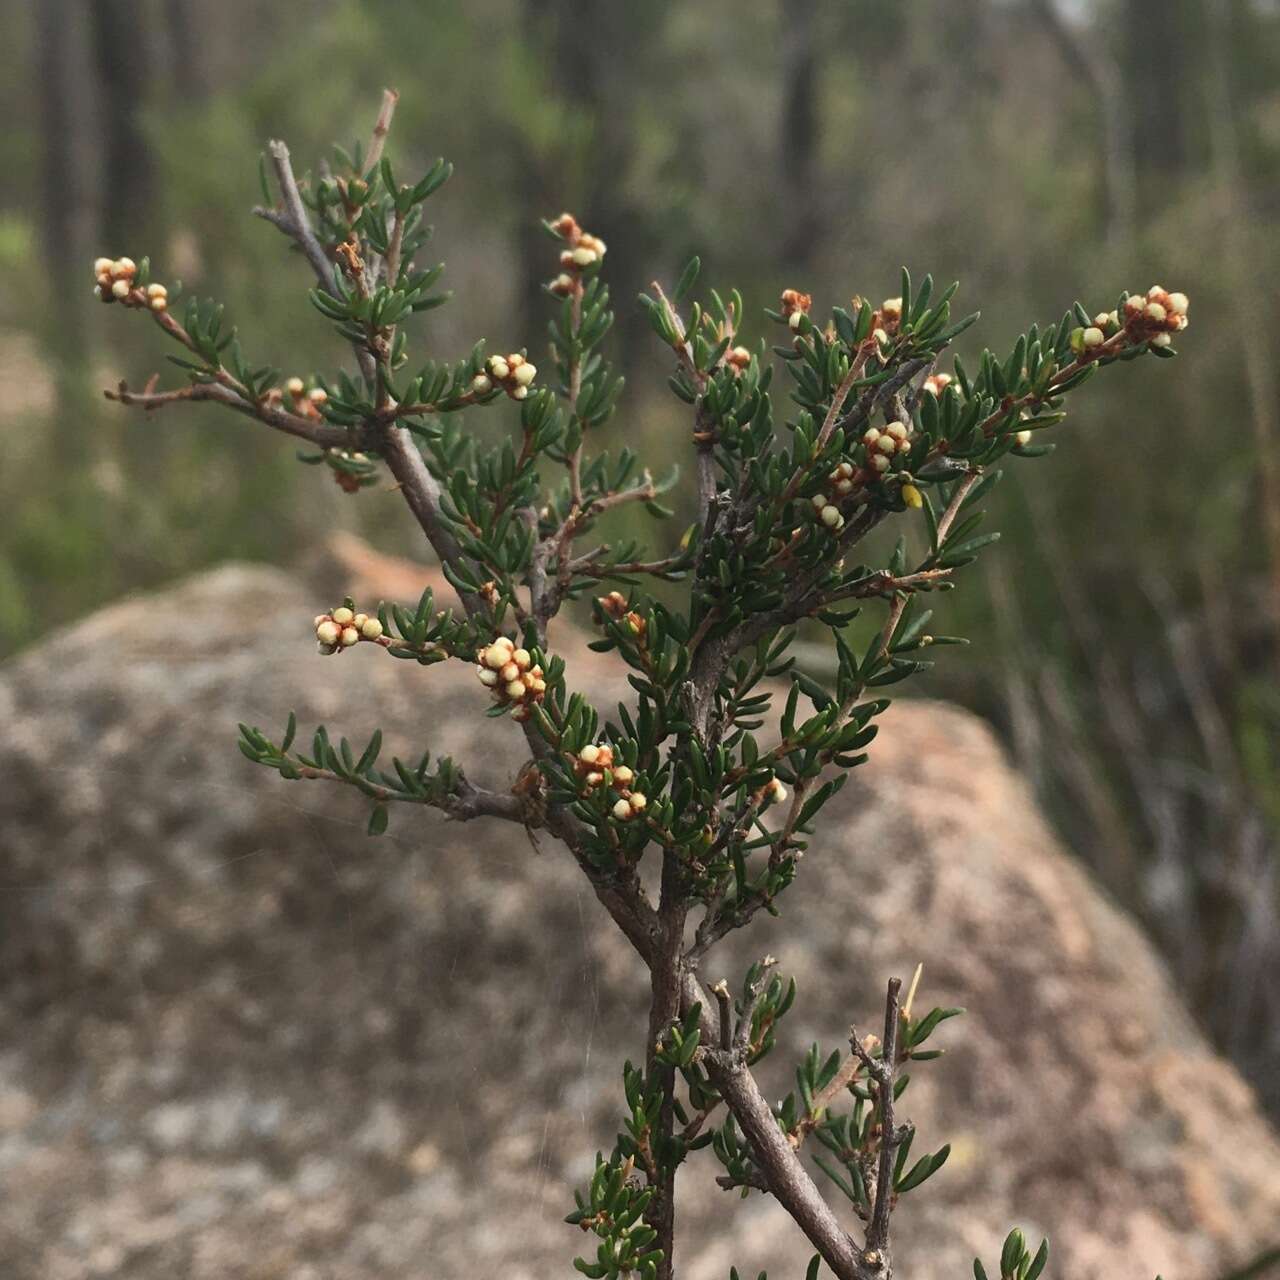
[
  {"x": 1155, "y": 56},
  {"x": 1088, "y": 61},
  {"x": 120, "y": 57},
  {"x": 67, "y": 215},
  {"x": 801, "y": 222},
  {"x": 593, "y": 50},
  {"x": 189, "y": 70}
]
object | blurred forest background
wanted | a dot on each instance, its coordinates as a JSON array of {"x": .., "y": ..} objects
[{"x": 1038, "y": 150}]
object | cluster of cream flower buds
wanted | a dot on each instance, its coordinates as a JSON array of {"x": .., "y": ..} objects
[
  {"x": 795, "y": 305},
  {"x": 1160, "y": 314},
  {"x": 842, "y": 483},
  {"x": 344, "y": 627},
  {"x": 306, "y": 404},
  {"x": 114, "y": 279},
  {"x": 883, "y": 442},
  {"x": 594, "y": 766},
  {"x": 511, "y": 676},
  {"x": 615, "y": 605},
  {"x": 582, "y": 250},
  {"x": 513, "y": 373},
  {"x": 1155, "y": 317}
]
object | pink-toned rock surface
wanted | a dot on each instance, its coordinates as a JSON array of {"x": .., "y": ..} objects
[{"x": 238, "y": 1038}]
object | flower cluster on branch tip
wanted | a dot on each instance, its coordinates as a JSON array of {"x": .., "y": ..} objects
[
  {"x": 119, "y": 280},
  {"x": 343, "y": 627},
  {"x": 511, "y": 675}
]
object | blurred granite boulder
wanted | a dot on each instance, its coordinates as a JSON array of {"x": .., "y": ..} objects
[{"x": 238, "y": 1038}]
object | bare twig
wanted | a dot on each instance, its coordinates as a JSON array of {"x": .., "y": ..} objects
[
  {"x": 381, "y": 127},
  {"x": 317, "y": 433},
  {"x": 948, "y": 517},
  {"x": 883, "y": 1071},
  {"x": 462, "y": 804},
  {"x": 294, "y": 221},
  {"x": 422, "y": 493}
]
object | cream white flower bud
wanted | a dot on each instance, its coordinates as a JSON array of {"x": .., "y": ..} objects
[
  {"x": 623, "y": 775},
  {"x": 124, "y": 267},
  {"x": 525, "y": 374},
  {"x": 1023, "y": 436},
  {"x": 638, "y": 801},
  {"x": 499, "y": 368},
  {"x": 870, "y": 436},
  {"x": 497, "y": 655},
  {"x": 349, "y": 637},
  {"x": 515, "y": 690},
  {"x": 102, "y": 265},
  {"x": 520, "y": 393},
  {"x": 157, "y": 291},
  {"x": 295, "y": 386},
  {"x": 120, "y": 289},
  {"x": 886, "y": 444},
  {"x": 594, "y": 779},
  {"x": 1178, "y": 303},
  {"x": 880, "y": 462},
  {"x": 897, "y": 430},
  {"x": 881, "y": 337},
  {"x": 777, "y": 792},
  {"x": 1102, "y": 319},
  {"x": 892, "y": 306},
  {"x": 793, "y": 321},
  {"x": 830, "y": 517},
  {"x": 510, "y": 672},
  {"x": 589, "y": 754},
  {"x": 522, "y": 658},
  {"x": 1156, "y": 312},
  {"x": 487, "y": 678},
  {"x": 1162, "y": 340},
  {"x": 583, "y": 257},
  {"x": 819, "y": 501},
  {"x": 621, "y": 810},
  {"x": 343, "y": 616},
  {"x": 158, "y": 303},
  {"x": 1093, "y": 337},
  {"x": 317, "y": 395},
  {"x": 328, "y": 632},
  {"x": 1155, "y": 291},
  {"x": 480, "y": 384}
]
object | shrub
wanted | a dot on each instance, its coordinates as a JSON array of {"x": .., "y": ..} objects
[{"x": 698, "y": 773}]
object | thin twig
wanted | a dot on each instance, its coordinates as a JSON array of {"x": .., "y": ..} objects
[
  {"x": 883, "y": 1071},
  {"x": 295, "y": 222},
  {"x": 381, "y": 127},
  {"x": 317, "y": 433}
]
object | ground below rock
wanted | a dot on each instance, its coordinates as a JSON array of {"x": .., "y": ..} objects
[{"x": 239, "y": 1038}]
